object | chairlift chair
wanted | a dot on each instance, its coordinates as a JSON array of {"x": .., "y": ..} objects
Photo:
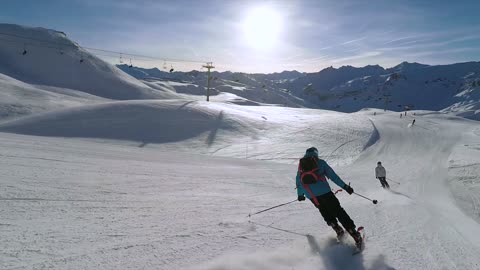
[
  {"x": 60, "y": 50},
  {"x": 24, "y": 49}
]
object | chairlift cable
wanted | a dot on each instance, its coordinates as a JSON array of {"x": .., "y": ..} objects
[{"x": 75, "y": 45}]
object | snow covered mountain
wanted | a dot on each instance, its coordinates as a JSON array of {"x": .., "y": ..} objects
[
  {"x": 450, "y": 88},
  {"x": 41, "y": 56}
]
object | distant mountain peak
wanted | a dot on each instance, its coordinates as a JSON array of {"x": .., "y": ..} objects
[{"x": 404, "y": 66}]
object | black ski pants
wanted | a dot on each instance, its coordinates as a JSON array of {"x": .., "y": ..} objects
[
  {"x": 331, "y": 210},
  {"x": 383, "y": 181}
]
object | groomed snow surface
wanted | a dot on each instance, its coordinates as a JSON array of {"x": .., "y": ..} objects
[{"x": 169, "y": 185}]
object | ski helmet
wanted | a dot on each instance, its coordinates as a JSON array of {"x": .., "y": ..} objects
[
  {"x": 312, "y": 150},
  {"x": 379, "y": 163}
]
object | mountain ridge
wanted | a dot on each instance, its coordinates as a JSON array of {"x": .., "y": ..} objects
[{"x": 452, "y": 88}]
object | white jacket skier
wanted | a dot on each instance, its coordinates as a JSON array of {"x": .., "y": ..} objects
[
  {"x": 381, "y": 174},
  {"x": 380, "y": 171}
]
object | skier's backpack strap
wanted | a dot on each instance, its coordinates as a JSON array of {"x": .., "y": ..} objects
[
  {"x": 308, "y": 168},
  {"x": 314, "y": 199}
]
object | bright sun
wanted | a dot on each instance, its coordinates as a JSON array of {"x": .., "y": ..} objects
[{"x": 262, "y": 27}]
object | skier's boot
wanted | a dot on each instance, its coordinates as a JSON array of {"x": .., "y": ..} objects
[
  {"x": 339, "y": 230},
  {"x": 357, "y": 237}
]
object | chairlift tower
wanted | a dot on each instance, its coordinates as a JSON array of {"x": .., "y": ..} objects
[
  {"x": 208, "y": 66},
  {"x": 386, "y": 97}
]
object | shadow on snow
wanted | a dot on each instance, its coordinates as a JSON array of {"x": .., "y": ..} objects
[{"x": 339, "y": 256}]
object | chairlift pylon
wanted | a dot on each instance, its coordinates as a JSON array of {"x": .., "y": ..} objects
[
  {"x": 121, "y": 60},
  {"x": 130, "y": 66}
]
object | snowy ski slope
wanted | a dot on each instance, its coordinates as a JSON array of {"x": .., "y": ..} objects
[{"x": 83, "y": 201}]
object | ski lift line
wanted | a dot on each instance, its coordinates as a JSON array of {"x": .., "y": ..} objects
[
  {"x": 29, "y": 44},
  {"x": 32, "y": 45},
  {"x": 146, "y": 56},
  {"x": 39, "y": 40},
  {"x": 75, "y": 45},
  {"x": 113, "y": 58},
  {"x": 57, "y": 48}
]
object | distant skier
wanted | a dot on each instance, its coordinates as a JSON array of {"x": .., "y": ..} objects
[
  {"x": 374, "y": 113},
  {"x": 401, "y": 115},
  {"x": 381, "y": 174},
  {"x": 413, "y": 122},
  {"x": 312, "y": 182}
]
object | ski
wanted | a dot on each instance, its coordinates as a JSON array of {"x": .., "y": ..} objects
[{"x": 359, "y": 249}]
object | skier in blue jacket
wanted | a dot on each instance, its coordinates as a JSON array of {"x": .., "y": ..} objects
[{"x": 311, "y": 182}]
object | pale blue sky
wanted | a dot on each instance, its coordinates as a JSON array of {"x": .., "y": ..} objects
[{"x": 311, "y": 34}]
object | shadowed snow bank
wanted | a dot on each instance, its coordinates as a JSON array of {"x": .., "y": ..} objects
[{"x": 147, "y": 122}]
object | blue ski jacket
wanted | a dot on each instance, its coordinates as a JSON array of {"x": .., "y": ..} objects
[{"x": 321, "y": 187}]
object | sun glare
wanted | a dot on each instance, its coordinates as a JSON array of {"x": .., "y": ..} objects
[{"x": 262, "y": 27}]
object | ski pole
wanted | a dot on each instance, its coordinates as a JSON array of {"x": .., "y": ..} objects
[
  {"x": 393, "y": 181},
  {"x": 374, "y": 201},
  {"x": 249, "y": 215}
]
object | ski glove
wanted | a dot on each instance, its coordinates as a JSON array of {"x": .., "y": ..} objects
[
  {"x": 348, "y": 189},
  {"x": 301, "y": 198}
]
